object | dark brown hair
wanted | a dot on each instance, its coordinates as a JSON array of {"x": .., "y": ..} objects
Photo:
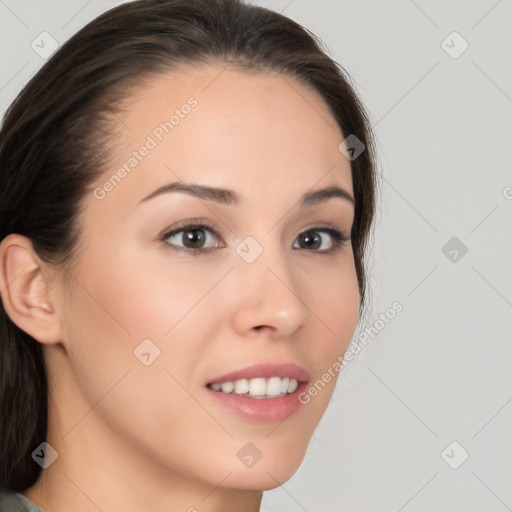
[{"x": 56, "y": 138}]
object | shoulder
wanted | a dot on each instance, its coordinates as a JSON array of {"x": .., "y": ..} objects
[{"x": 15, "y": 502}]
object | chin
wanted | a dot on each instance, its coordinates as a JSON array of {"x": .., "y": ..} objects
[{"x": 267, "y": 474}]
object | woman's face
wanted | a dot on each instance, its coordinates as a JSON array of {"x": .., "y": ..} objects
[{"x": 161, "y": 311}]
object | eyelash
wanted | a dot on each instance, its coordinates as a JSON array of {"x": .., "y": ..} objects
[{"x": 339, "y": 238}]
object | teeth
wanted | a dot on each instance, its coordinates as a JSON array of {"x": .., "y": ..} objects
[
  {"x": 274, "y": 386},
  {"x": 227, "y": 387},
  {"x": 241, "y": 386},
  {"x": 292, "y": 386},
  {"x": 258, "y": 387}
]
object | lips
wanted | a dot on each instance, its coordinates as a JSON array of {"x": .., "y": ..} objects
[{"x": 260, "y": 408}]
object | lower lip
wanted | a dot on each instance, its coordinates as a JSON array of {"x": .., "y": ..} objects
[{"x": 260, "y": 409}]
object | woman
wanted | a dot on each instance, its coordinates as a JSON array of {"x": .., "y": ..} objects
[{"x": 187, "y": 189}]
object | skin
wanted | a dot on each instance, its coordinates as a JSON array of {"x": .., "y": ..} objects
[{"x": 135, "y": 438}]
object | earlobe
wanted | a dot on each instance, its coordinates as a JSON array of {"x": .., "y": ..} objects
[{"x": 25, "y": 290}]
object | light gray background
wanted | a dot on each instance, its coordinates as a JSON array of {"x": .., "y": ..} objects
[{"x": 440, "y": 370}]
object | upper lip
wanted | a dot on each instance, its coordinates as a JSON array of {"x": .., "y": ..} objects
[{"x": 266, "y": 371}]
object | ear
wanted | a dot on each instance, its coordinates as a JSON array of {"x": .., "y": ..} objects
[{"x": 25, "y": 290}]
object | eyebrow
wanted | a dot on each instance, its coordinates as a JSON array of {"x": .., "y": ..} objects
[{"x": 229, "y": 197}]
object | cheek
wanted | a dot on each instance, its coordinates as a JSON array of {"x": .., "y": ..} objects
[
  {"x": 333, "y": 300},
  {"x": 109, "y": 317},
  {"x": 126, "y": 307},
  {"x": 143, "y": 298}
]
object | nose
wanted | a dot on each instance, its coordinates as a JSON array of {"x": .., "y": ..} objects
[{"x": 266, "y": 296}]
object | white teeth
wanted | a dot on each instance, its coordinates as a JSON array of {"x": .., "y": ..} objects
[
  {"x": 227, "y": 387},
  {"x": 258, "y": 387},
  {"x": 274, "y": 386},
  {"x": 241, "y": 386},
  {"x": 292, "y": 386}
]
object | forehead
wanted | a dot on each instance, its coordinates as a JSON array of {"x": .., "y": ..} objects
[{"x": 255, "y": 132}]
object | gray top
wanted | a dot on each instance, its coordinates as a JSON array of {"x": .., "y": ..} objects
[{"x": 15, "y": 502}]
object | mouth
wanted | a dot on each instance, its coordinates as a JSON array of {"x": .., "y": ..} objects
[
  {"x": 258, "y": 387},
  {"x": 263, "y": 392}
]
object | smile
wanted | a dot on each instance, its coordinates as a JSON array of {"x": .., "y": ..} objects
[
  {"x": 258, "y": 387},
  {"x": 260, "y": 392}
]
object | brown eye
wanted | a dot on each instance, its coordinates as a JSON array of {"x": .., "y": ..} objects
[
  {"x": 195, "y": 238},
  {"x": 310, "y": 240},
  {"x": 323, "y": 240}
]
